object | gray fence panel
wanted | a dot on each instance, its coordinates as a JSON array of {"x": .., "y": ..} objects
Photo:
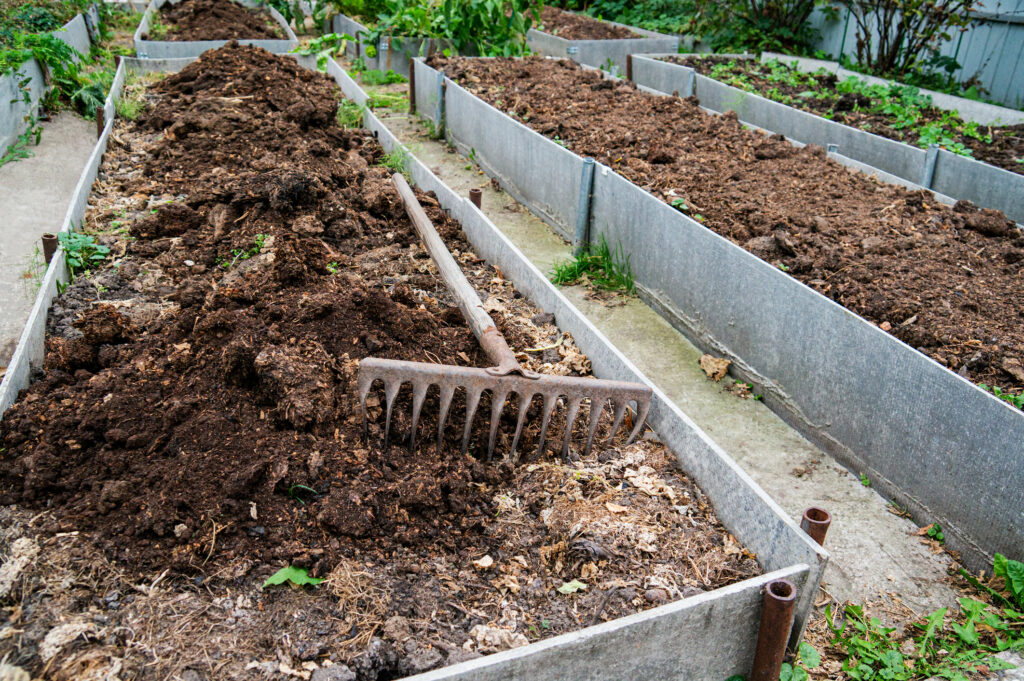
[{"x": 554, "y": 171}]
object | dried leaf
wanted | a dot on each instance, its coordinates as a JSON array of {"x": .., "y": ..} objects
[
  {"x": 715, "y": 367},
  {"x": 571, "y": 587},
  {"x": 615, "y": 508},
  {"x": 483, "y": 563}
]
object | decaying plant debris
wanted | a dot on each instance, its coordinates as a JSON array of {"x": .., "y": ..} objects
[{"x": 197, "y": 426}]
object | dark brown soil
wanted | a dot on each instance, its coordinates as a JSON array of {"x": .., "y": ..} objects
[
  {"x": 218, "y": 20},
  {"x": 198, "y": 416},
  {"x": 1005, "y": 151},
  {"x": 573, "y": 26},
  {"x": 944, "y": 280}
]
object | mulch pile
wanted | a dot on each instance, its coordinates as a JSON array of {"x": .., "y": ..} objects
[
  {"x": 218, "y": 20},
  {"x": 573, "y": 26}
]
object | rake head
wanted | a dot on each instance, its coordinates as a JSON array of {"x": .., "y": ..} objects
[{"x": 395, "y": 373}]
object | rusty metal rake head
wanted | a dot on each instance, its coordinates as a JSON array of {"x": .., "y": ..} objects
[
  {"x": 572, "y": 389},
  {"x": 502, "y": 380}
]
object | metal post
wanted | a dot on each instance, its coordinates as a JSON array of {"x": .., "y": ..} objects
[
  {"x": 582, "y": 236},
  {"x": 49, "y": 246},
  {"x": 384, "y": 50},
  {"x": 100, "y": 122},
  {"x": 815, "y": 523},
  {"x": 476, "y": 196},
  {"x": 928, "y": 172},
  {"x": 776, "y": 622},
  {"x": 629, "y": 67},
  {"x": 440, "y": 103},
  {"x": 412, "y": 86}
]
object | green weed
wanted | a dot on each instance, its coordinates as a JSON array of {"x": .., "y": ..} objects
[
  {"x": 324, "y": 48},
  {"x": 81, "y": 251},
  {"x": 350, "y": 114},
  {"x": 395, "y": 101},
  {"x": 19, "y": 149},
  {"x": 864, "y": 480},
  {"x": 397, "y": 161},
  {"x": 158, "y": 30},
  {"x": 238, "y": 254},
  {"x": 378, "y": 77},
  {"x": 597, "y": 266},
  {"x": 1015, "y": 400}
]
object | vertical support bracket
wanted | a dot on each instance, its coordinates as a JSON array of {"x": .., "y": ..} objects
[
  {"x": 776, "y": 623},
  {"x": 100, "y": 121},
  {"x": 412, "y": 86},
  {"x": 441, "y": 87},
  {"x": 629, "y": 67},
  {"x": 581, "y": 237},
  {"x": 928, "y": 173},
  {"x": 384, "y": 53},
  {"x": 690, "y": 86},
  {"x": 832, "y": 148}
]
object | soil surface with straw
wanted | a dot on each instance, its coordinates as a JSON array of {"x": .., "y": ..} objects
[
  {"x": 573, "y": 26},
  {"x": 197, "y": 427},
  {"x": 218, "y": 20},
  {"x": 945, "y": 280}
]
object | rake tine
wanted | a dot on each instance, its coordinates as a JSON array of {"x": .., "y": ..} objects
[
  {"x": 472, "y": 400},
  {"x": 419, "y": 394},
  {"x": 596, "y": 408},
  {"x": 640, "y": 419},
  {"x": 574, "y": 407},
  {"x": 390, "y": 393},
  {"x": 524, "y": 405},
  {"x": 549, "y": 406},
  {"x": 447, "y": 391},
  {"x": 620, "y": 413},
  {"x": 497, "y": 405}
]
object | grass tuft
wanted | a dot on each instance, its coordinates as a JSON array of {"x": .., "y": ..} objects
[{"x": 598, "y": 266}]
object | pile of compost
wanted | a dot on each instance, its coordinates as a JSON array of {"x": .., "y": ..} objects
[
  {"x": 197, "y": 427},
  {"x": 573, "y": 26},
  {"x": 218, "y": 20}
]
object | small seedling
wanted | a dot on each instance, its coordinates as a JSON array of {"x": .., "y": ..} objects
[
  {"x": 864, "y": 480},
  {"x": 935, "y": 532},
  {"x": 294, "y": 490},
  {"x": 680, "y": 204},
  {"x": 298, "y": 577},
  {"x": 239, "y": 254},
  {"x": 784, "y": 267},
  {"x": 598, "y": 266},
  {"x": 333, "y": 267},
  {"x": 81, "y": 251},
  {"x": 1015, "y": 400}
]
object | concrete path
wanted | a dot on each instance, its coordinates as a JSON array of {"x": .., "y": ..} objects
[
  {"x": 874, "y": 553},
  {"x": 34, "y": 196}
]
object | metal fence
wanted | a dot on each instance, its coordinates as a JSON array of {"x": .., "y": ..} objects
[{"x": 992, "y": 47}]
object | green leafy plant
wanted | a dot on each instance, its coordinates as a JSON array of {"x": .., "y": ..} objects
[
  {"x": 1013, "y": 572},
  {"x": 935, "y": 532},
  {"x": 323, "y": 47},
  {"x": 295, "y": 575},
  {"x": 864, "y": 480},
  {"x": 397, "y": 161},
  {"x": 1015, "y": 400},
  {"x": 806, "y": 658},
  {"x": 158, "y": 30},
  {"x": 599, "y": 266},
  {"x": 19, "y": 149},
  {"x": 494, "y": 28},
  {"x": 257, "y": 245},
  {"x": 81, "y": 251},
  {"x": 350, "y": 114},
  {"x": 378, "y": 77}
]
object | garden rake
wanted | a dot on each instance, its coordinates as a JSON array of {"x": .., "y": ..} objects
[{"x": 503, "y": 379}]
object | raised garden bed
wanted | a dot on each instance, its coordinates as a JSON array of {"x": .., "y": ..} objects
[
  {"x": 876, "y": 249},
  {"x": 899, "y": 112},
  {"x": 190, "y": 27},
  {"x": 198, "y": 419},
  {"x": 593, "y": 42},
  {"x": 947, "y": 173}
]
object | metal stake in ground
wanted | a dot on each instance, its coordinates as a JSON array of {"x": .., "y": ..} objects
[
  {"x": 501, "y": 380},
  {"x": 776, "y": 622}
]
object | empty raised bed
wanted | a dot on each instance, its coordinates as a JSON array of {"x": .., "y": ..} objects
[
  {"x": 190, "y": 27},
  {"x": 198, "y": 427},
  {"x": 888, "y": 126},
  {"x": 876, "y": 249},
  {"x": 594, "y": 42}
]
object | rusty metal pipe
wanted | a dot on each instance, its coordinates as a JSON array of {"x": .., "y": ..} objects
[
  {"x": 776, "y": 623},
  {"x": 815, "y": 523},
  {"x": 629, "y": 67},
  {"x": 476, "y": 196},
  {"x": 100, "y": 122},
  {"x": 49, "y": 246}
]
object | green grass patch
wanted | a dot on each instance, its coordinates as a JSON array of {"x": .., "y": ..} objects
[{"x": 598, "y": 266}]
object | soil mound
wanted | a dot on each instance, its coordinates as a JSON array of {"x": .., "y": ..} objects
[
  {"x": 572, "y": 26},
  {"x": 218, "y": 20}
]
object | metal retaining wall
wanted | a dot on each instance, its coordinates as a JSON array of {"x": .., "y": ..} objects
[
  {"x": 708, "y": 636},
  {"x": 598, "y": 52},
  {"x": 944, "y": 172},
  {"x": 932, "y": 441},
  {"x": 172, "y": 49},
  {"x": 13, "y": 108}
]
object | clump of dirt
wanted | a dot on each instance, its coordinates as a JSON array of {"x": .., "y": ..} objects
[
  {"x": 945, "y": 280},
  {"x": 573, "y": 26},
  {"x": 218, "y": 20},
  {"x": 198, "y": 425},
  {"x": 1005, "y": 149}
]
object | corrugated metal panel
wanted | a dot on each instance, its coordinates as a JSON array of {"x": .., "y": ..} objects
[{"x": 992, "y": 48}]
